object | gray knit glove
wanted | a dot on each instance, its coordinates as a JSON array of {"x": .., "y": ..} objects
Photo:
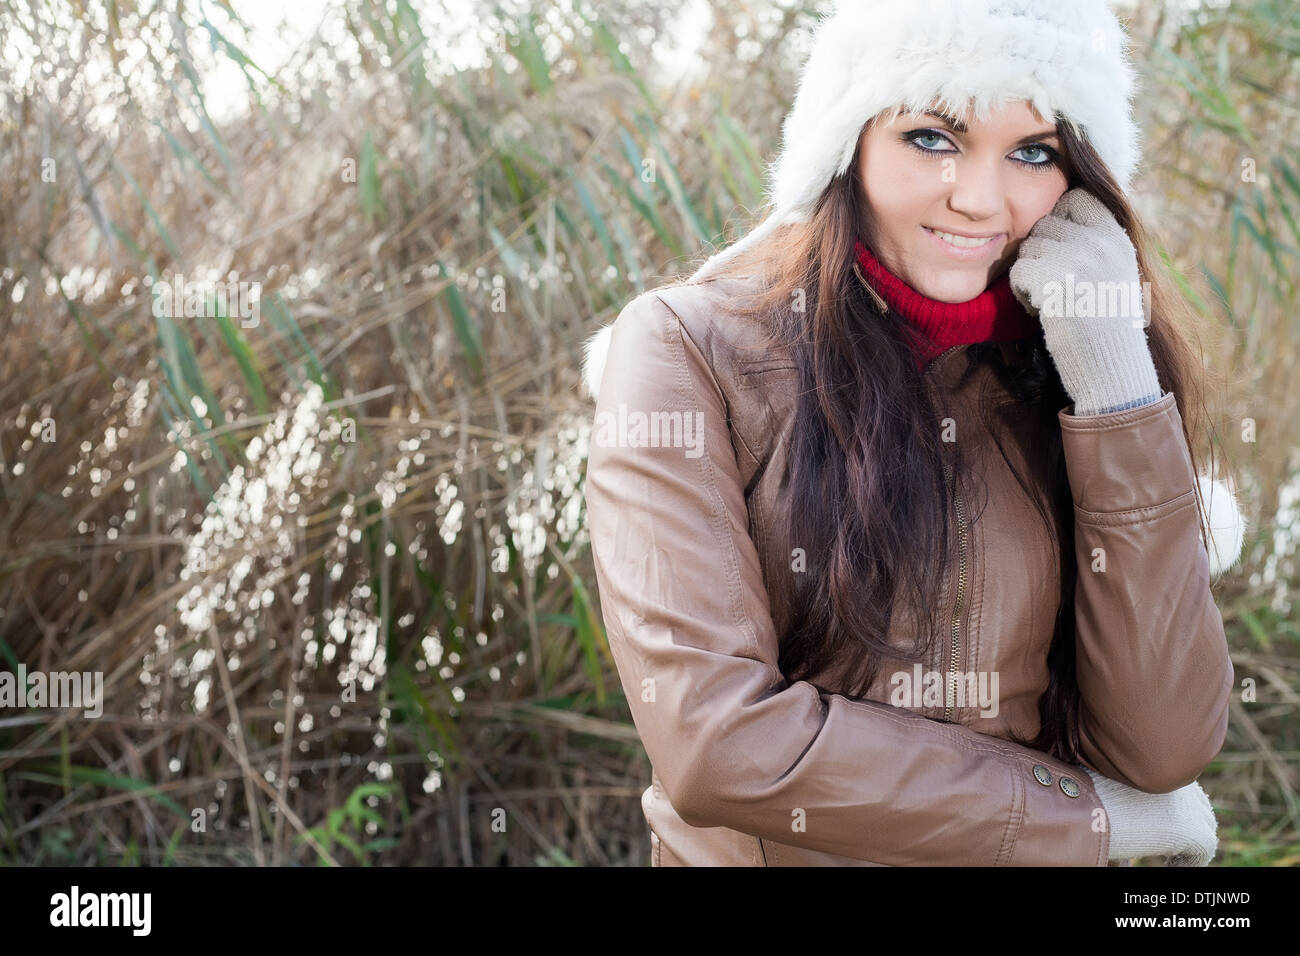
[
  {"x": 1102, "y": 355},
  {"x": 1179, "y": 825}
]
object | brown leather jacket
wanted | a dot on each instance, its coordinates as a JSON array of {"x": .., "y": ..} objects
[{"x": 749, "y": 769}]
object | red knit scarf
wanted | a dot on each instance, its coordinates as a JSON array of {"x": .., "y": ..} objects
[{"x": 995, "y": 315}]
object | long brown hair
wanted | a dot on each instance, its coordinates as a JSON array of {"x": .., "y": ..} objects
[{"x": 865, "y": 462}]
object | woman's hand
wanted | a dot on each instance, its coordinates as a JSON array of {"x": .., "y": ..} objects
[
  {"x": 1078, "y": 271},
  {"x": 1179, "y": 825}
]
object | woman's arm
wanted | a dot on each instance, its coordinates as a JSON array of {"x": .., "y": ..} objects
[
  {"x": 1152, "y": 659},
  {"x": 689, "y": 624},
  {"x": 1151, "y": 654}
]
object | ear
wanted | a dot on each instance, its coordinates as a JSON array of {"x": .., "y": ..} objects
[
  {"x": 594, "y": 350},
  {"x": 1224, "y": 524}
]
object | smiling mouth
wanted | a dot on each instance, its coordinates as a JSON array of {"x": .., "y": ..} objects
[{"x": 962, "y": 242}]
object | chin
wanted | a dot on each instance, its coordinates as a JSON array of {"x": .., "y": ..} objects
[{"x": 959, "y": 289}]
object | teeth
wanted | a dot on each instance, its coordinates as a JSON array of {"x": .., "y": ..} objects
[{"x": 962, "y": 242}]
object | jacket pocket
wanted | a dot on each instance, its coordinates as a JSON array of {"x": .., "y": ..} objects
[{"x": 758, "y": 372}]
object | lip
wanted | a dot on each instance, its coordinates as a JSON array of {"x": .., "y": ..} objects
[
  {"x": 979, "y": 252},
  {"x": 967, "y": 235}
]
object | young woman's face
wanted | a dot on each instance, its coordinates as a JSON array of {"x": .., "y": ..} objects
[{"x": 986, "y": 184}]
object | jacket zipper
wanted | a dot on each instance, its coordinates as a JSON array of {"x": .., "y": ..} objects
[
  {"x": 958, "y": 607},
  {"x": 959, "y": 604}
]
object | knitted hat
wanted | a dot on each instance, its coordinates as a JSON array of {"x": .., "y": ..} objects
[{"x": 964, "y": 57}]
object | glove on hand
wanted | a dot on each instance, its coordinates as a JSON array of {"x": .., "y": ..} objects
[
  {"x": 1179, "y": 825},
  {"x": 1102, "y": 356}
]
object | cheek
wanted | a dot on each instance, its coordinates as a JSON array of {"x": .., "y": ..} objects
[
  {"x": 1036, "y": 199},
  {"x": 902, "y": 190}
]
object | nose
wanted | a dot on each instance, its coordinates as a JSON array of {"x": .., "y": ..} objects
[{"x": 978, "y": 192}]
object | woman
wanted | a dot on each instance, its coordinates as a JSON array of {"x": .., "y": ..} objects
[{"x": 896, "y": 521}]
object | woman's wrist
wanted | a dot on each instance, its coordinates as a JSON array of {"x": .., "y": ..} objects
[{"x": 1104, "y": 368}]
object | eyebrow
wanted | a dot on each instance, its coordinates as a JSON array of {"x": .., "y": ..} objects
[{"x": 957, "y": 126}]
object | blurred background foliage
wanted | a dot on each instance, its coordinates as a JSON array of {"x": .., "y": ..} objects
[{"x": 333, "y": 565}]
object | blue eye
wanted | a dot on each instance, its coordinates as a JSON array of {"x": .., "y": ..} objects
[
  {"x": 933, "y": 137},
  {"x": 1047, "y": 157}
]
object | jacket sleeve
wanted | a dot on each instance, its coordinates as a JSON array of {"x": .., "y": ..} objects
[
  {"x": 690, "y": 628},
  {"x": 1151, "y": 655}
]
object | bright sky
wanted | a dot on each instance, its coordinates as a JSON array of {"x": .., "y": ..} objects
[{"x": 277, "y": 30}]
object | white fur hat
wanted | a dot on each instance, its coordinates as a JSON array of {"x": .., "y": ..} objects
[{"x": 1066, "y": 57}]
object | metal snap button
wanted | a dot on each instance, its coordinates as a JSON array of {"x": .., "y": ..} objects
[
  {"x": 1069, "y": 787},
  {"x": 1042, "y": 775}
]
